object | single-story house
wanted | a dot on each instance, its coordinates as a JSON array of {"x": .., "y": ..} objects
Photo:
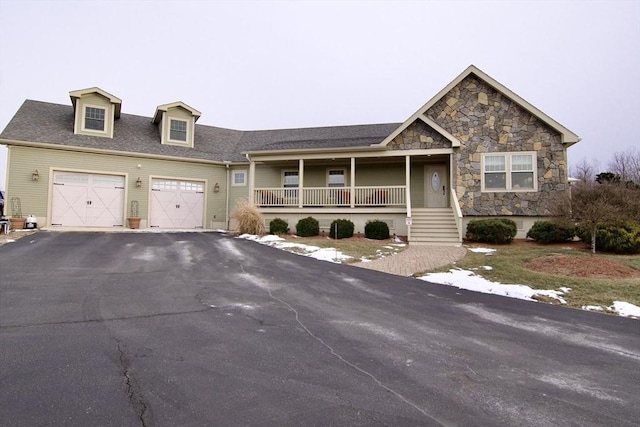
[{"x": 474, "y": 150}]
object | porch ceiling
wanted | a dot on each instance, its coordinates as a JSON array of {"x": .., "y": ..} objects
[{"x": 359, "y": 161}]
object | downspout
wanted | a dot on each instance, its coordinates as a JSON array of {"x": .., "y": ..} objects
[
  {"x": 226, "y": 212},
  {"x": 407, "y": 183},
  {"x": 252, "y": 170}
]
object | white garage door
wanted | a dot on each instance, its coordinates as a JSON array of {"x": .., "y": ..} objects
[
  {"x": 176, "y": 204},
  {"x": 87, "y": 200}
]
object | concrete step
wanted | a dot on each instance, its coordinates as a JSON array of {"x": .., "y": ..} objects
[{"x": 434, "y": 226}]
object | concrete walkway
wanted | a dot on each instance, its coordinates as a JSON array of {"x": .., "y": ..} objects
[{"x": 415, "y": 259}]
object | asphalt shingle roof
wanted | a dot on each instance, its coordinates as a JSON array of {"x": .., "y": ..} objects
[{"x": 44, "y": 122}]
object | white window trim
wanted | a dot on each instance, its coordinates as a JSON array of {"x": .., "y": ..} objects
[
  {"x": 83, "y": 118},
  {"x": 233, "y": 178},
  {"x": 284, "y": 171},
  {"x": 508, "y": 172},
  {"x": 188, "y": 140},
  {"x": 344, "y": 173}
]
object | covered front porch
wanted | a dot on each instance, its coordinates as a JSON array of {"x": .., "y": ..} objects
[{"x": 413, "y": 191}]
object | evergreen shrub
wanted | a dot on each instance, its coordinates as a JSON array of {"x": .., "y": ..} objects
[
  {"x": 619, "y": 237},
  {"x": 376, "y": 229},
  {"x": 550, "y": 232},
  {"x": 345, "y": 229},
  {"x": 493, "y": 230},
  {"x": 308, "y": 227},
  {"x": 278, "y": 226}
]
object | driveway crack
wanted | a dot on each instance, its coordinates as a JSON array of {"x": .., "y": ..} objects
[
  {"x": 351, "y": 365},
  {"x": 135, "y": 397}
]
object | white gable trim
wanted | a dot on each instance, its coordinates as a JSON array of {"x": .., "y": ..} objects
[
  {"x": 117, "y": 102},
  {"x": 455, "y": 142},
  {"x": 567, "y": 136},
  {"x": 179, "y": 104}
]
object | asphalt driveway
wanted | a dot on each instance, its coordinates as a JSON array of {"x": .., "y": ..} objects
[{"x": 190, "y": 329}]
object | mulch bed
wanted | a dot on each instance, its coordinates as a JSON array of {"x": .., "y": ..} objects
[{"x": 581, "y": 266}]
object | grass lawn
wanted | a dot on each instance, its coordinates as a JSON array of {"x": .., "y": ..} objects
[
  {"x": 358, "y": 248},
  {"x": 509, "y": 265}
]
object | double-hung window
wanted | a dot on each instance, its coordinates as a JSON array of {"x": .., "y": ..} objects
[
  {"x": 178, "y": 130},
  {"x": 94, "y": 118},
  {"x": 509, "y": 171},
  {"x": 290, "y": 179},
  {"x": 336, "y": 178}
]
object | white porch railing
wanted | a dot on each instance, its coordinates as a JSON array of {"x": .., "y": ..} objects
[
  {"x": 369, "y": 196},
  {"x": 457, "y": 212}
]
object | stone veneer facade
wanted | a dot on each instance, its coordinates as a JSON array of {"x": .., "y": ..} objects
[
  {"x": 486, "y": 121},
  {"x": 418, "y": 136}
]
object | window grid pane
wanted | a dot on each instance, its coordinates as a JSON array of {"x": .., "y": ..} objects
[
  {"x": 522, "y": 162},
  {"x": 94, "y": 118},
  {"x": 336, "y": 178},
  {"x": 494, "y": 164},
  {"x": 178, "y": 130},
  {"x": 238, "y": 178},
  {"x": 291, "y": 179},
  {"x": 521, "y": 180},
  {"x": 495, "y": 180}
]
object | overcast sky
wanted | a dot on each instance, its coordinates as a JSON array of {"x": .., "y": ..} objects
[{"x": 267, "y": 65}]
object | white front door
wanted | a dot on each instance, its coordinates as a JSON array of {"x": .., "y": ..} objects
[
  {"x": 436, "y": 186},
  {"x": 87, "y": 200},
  {"x": 176, "y": 204}
]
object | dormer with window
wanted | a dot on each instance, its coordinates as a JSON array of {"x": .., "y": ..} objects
[
  {"x": 177, "y": 122},
  {"x": 95, "y": 112}
]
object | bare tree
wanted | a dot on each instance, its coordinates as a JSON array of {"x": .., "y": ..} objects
[
  {"x": 593, "y": 203},
  {"x": 626, "y": 164},
  {"x": 585, "y": 170}
]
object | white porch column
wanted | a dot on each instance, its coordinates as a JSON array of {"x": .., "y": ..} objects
[
  {"x": 300, "y": 182},
  {"x": 252, "y": 180},
  {"x": 353, "y": 182},
  {"x": 407, "y": 180}
]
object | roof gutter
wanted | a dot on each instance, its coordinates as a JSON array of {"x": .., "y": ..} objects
[
  {"x": 12, "y": 142},
  {"x": 317, "y": 150}
]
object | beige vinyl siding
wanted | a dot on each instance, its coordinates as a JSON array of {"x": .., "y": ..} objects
[
  {"x": 269, "y": 176},
  {"x": 316, "y": 176},
  {"x": 239, "y": 192},
  {"x": 35, "y": 196},
  {"x": 417, "y": 185},
  {"x": 393, "y": 174}
]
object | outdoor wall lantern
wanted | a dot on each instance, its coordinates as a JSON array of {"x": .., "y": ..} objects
[
  {"x": 138, "y": 182},
  {"x": 216, "y": 188},
  {"x": 35, "y": 175}
]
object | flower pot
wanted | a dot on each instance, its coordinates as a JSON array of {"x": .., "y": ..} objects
[
  {"x": 17, "y": 223},
  {"x": 134, "y": 222}
]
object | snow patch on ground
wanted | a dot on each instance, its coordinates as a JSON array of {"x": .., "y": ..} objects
[
  {"x": 322, "y": 254},
  {"x": 465, "y": 279},
  {"x": 487, "y": 251},
  {"x": 626, "y": 309}
]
